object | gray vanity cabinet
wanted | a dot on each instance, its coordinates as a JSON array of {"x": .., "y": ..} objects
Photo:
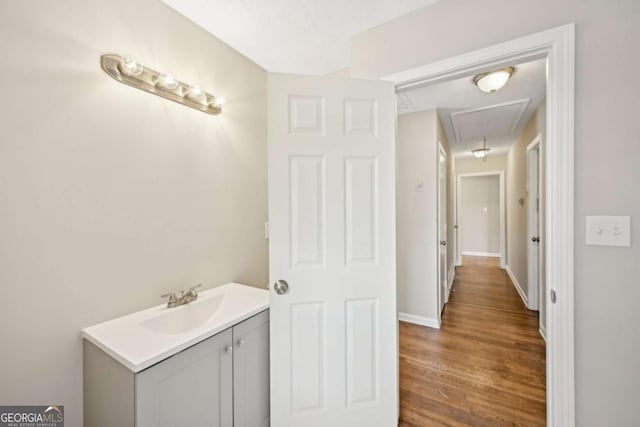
[
  {"x": 251, "y": 372},
  {"x": 192, "y": 388},
  {"x": 222, "y": 381}
]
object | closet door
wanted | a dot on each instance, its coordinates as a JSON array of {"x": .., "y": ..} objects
[
  {"x": 251, "y": 372},
  {"x": 193, "y": 388}
]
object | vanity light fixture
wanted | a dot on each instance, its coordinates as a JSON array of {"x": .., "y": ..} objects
[
  {"x": 481, "y": 153},
  {"x": 493, "y": 81},
  {"x": 127, "y": 71}
]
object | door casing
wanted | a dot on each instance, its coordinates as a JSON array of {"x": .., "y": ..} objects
[
  {"x": 443, "y": 282},
  {"x": 534, "y": 260},
  {"x": 503, "y": 226},
  {"x": 557, "y": 45}
]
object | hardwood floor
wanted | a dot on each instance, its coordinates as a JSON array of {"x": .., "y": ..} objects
[{"x": 484, "y": 367}]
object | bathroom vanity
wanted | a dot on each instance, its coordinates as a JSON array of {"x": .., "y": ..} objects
[{"x": 202, "y": 364}]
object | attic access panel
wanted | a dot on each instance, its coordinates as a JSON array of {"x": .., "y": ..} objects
[{"x": 494, "y": 121}]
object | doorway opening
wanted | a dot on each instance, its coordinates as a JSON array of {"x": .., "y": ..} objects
[
  {"x": 480, "y": 204},
  {"x": 556, "y": 47}
]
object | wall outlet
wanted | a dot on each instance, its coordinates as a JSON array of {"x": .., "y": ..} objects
[{"x": 609, "y": 231}]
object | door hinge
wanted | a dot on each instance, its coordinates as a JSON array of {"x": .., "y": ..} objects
[{"x": 266, "y": 231}]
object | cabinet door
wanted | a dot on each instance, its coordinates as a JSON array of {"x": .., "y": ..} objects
[
  {"x": 192, "y": 388},
  {"x": 251, "y": 372}
]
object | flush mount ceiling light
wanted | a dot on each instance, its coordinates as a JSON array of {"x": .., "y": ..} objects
[
  {"x": 493, "y": 81},
  {"x": 481, "y": 153},
  {"x": 127, "y": 71}
]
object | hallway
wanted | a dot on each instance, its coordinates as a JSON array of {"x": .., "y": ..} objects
[{"x": 484, "y": 367}]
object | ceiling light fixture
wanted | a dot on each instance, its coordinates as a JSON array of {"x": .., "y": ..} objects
[
  {"x": 127, "y": 71},
  {"x": 481, "y": 153},
  {"x": 493, "y": 81}
]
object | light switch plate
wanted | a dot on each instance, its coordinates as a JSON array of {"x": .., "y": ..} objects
[{"x": 609, "y": 231}]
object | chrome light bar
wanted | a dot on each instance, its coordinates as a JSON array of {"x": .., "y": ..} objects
[{"x": 134, "y": 74}]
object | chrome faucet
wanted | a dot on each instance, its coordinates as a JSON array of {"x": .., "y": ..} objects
[{"x": 185, "y": 297}]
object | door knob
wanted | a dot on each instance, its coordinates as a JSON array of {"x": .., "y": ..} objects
[
  {"x": 443, "y": 242},
  {"x": 229, "y": 349},
  {"x": 281, "y": 287},
  {"x": 535, "y": 239},
  {"x": 240, "y": 342}
]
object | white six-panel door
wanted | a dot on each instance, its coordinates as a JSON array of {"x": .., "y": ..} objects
[{"x": 332, "y": 239}]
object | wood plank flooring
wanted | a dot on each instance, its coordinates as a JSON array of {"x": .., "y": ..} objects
[{"x": 484, "y": 367}]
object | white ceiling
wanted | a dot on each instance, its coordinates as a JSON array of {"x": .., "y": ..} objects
[
  {"x": 467, "y": 114},
  {"x": 293, "y": 36}
]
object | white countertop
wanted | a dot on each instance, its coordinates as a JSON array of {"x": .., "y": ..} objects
[{"x": 134, "y": 340}]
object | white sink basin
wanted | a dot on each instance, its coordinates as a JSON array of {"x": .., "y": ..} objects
[
  {"x": 141, "y": 339},
  {"x": 185, "y": 318}
]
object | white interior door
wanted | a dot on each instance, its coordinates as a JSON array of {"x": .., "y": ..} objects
[
  {"x": 332, "y": 252},
  {"x": 442, "y": 227},
  {"x": 533, "y": 225}
]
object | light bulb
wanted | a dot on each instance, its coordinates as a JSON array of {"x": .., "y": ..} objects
[
  {"x": 167, "y": 81},
  {"x": 220, "y": 101},
  {"x": 480, "y": 152},
  {"x": 195, "y": 92},
  {"x": 130, "y": 67}
]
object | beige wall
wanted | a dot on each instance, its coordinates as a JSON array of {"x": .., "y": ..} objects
[
  {"x": 473, "y": 165},
  {"x": 469, "y": 165},
  {"x": 112, "y": 196},
  {"x": 417, "y": 215},
  {"x": 417, "y": 163},
  {"x": 479, "y": 215},
  {"x": 516, "y": 188},
  {"x": 606, "y": 161}
]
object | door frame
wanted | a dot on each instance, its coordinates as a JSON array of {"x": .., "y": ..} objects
[
  {"x": 533, "y": 297},
  {"x": 442, "y": 295},
  {"x": 557, "y": 45},
  {"x": 502, "y": 208}
]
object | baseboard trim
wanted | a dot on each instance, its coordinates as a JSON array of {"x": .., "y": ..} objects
[
  {"x": 484, "y": 254},
  {"x": 419, "y": 320},
  {"x": 543, "y": 333},
  {"x": 516, "y": 285}
]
